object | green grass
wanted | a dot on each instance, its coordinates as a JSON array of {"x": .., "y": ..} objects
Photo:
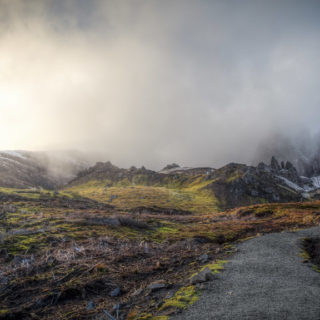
[{"x": 214, "y": 267}]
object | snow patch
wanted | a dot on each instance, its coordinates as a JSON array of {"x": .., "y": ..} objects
[
  {"x": 313, "y": 185},
  {"x": 316, "y": 182},
  {"x": 291, "y": 184},
  {"x": 16, "y": 154}
]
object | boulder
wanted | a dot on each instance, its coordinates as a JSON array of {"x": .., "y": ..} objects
[
  {"x": 203, "y": 258},
  {"x": 90, "y": 305},
  {"x": 115, "y": 293},
  {"x": 203, "y": 276}
]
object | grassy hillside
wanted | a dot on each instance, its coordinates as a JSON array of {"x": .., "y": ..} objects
[{"x": 125, "y": 195}]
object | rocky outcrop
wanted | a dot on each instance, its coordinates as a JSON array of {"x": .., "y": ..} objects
[
  {"x": 232, "y": 185},
  {"x": 236, "y": 185},
  {"x": 275, "y": 164}
]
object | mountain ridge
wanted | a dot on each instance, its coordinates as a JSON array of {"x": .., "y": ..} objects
[{"x": 232, "y": 185}]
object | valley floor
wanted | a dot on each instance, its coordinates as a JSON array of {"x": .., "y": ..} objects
[
  {"x": 265, "y": 279},
  {"x": 64, "y": 256}
]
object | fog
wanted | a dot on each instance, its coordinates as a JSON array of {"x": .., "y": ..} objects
[{"x": 154, "y": 82}]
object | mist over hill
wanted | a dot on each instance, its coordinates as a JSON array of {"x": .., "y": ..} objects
[{"x": 46, "y": 169}]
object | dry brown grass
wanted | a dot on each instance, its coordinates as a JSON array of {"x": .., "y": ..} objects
[{"x": 77, "y": 255}]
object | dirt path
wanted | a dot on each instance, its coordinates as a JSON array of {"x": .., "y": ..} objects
[{"x": 265, "y": 279}]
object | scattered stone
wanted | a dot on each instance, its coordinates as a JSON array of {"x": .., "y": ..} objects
[
  {"x": 91, "y": 305},
  {"x": 170, "y": 294},
  {"x": 116, "y": 292},
  {"x": 204, "y": 258},
  {"x": 203, "y": 276},
  {"x": 157, "y": 285},
  {"x": 119, "y": 306}
]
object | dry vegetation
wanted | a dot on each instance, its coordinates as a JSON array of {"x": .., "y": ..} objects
[{"x": 67, "y": 257}]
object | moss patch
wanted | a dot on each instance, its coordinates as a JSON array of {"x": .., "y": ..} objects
[{"x": 183, "y": 298}]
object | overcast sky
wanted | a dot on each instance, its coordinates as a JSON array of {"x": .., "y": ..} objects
[{"x": 154, "y": 82}]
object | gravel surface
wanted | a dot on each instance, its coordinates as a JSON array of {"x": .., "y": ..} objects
[{"x": 265, "y": 279}]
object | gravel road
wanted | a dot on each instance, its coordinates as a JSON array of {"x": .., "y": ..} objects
[{"x": 265, "y": 279}]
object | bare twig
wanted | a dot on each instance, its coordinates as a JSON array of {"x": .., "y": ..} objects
[{"x": 109, "y": 315}]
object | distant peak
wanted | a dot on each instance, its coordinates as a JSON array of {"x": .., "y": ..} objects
[{"x": 171, "y": 166}]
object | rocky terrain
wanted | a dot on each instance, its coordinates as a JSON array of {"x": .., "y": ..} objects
[{"x": 135, "y": 243}]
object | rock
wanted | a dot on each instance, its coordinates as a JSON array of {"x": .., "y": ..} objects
[
  {"x": 288, "y": 165},
  {"x": 203, "y": 276},
  {"x": 116, "y": 292},
  {"x": 203, "y": 258},
  {"x": 113, "y": 197},
  {"x": 116, "y": 307},
  {"x": 91, "y": 305},
  {"x": 137, "y": 292},
  {"x": 157, "y": 285},
  {"x": 275, "y": 164}
]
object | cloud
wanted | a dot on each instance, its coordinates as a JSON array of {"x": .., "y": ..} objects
[{"x": 152, "y": 82}]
